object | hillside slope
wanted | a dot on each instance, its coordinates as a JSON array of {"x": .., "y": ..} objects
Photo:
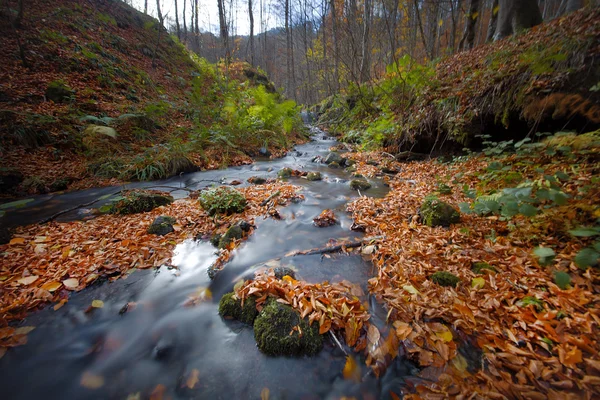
[
  {"x": 73, "y": 69},
  {"x": 545, "y": 79}
]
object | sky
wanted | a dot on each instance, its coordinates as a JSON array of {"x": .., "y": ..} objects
[{"x": 209, "y": 16}]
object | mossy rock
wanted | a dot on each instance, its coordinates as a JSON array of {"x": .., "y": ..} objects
[
  {"x": 445, "y": 278},
  {"x": 314, "y": 176},
  {"x": 350, "y": 162},
  {"x": 138, "y": 202},
  {"x": 222, "y": 200},
  {"x": 334, "y": 165},
  {"x": 481, "y": 267},
  {"x": 230, "y": 306},
  {"x": 59, "y": 92},
  {"x": 284, "y": 173},
  {"x": 359, "y": 184},
  {"x": 351, "y": 169},
  {"x": 234, "y": 232},
  {"x": 215, "y": 239},
  {"x": 257, "y": 180},
  {"x": 444, "y": 189},
  {"x": 275, "y": 334},
  {"x": 434, "y": 212},
  {"x": 162, "y": 225},
  {"x": 333, "y": 158},
  {"x": 280, "y": 272}
]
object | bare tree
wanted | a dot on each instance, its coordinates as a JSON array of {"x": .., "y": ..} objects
[
  {"x": 574, "y": 5},
  {"x": 223, "y": 29},
  {"x": 251, "y": 16},
  {"x": 516, "y": 15},
  {"x": 177, "y": 21},
  {"x": 471, "y": 18},
  {"x": 365, "y": 64}
]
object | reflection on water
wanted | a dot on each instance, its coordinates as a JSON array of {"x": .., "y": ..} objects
[{"x": 146, "y": 336}]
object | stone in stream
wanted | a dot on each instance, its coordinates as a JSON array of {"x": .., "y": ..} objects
[
  {"x": 434, "y": 212},
  {"x": 234, "y": 232},
  {"x": 138, "y": 201},
  {"x": 230, "y": 306},
  {"x": 334, "y": 165},
  {"x": 263, "y": 151},
  {"x": 284, "y": 173},
  {"x": 257, "y": 180},
  {"x": 279, "y": 331},
  {"x": 162, "y": 225},
  {"x": 334, "y": 157},
  {"x": 280, "y": 272},
  {"x": 359, "y": 184},
  {"x": 314, "y": 176}
]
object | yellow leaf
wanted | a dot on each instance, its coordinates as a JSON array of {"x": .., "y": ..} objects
[
  {"x": 264, "y": 394},
  {"x": 446, "y": 336},
  {"x": 411, "y": 289},
  {"x": 17, "y": 240},
  {"x": 24, "y": 330},
  {"x": 28, "y": 280},
  {"x": 97, "y": 303},
  {"x": 192, "y": 380},
  {"x": 90, "y": 380},
  {"x": 475, "y": 15},
  {"x": 41, "y": 239},
  {"x": 440, "y": 22},
  {"x": 460, "y": 363},
  {"x": 51, "y": 286},
  {"x": 477, "y": 283},
  {"x": 59, "y": 305},
  {"x": 71, "y": 283},
  {"x": 351, "y": 369}
]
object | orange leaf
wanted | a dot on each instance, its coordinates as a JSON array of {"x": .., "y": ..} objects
[
  {"x": 351, "y": 369},
  {"x": 325, "y": 326},
  {"x": 192, "y": 380}
]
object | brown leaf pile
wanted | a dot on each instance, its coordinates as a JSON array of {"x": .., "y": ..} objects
[
  {"x": 44, "y": 263},
  {"x": 326, "y": 218}
]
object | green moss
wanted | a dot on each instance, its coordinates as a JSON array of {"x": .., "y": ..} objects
[
  {"x": 222, "y": 200},
  {"x": 314, "y": 176},
  {"x": 139, "y": 201},
  {"x": 162, "y": 225},
  {"x": 234, "y": 232},
  {"x": 479, "y": 267},
  {"x": 359, "y": 184},
  {"x": 531, "y": 301},
  {"x": 230, "y": 306},
  {"x": 445, "y": 278},
  {"x": 284, "y": 173},
  {"x": 279, "y": 331},
  {"x": 434, "y": 212}
]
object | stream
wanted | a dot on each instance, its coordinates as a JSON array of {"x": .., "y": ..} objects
[{"x": 158, "y": 345}]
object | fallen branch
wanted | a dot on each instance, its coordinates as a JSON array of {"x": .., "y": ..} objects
[
  {"x": 336, "y": 248},
  {"x": 271, "y": 197}
]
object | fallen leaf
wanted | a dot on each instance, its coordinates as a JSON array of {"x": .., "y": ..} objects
[
  {"x": 28, "y": 280},
  {"x": 351, "y": 369},
  {"x": 71, "y": 283},
  {"x": 158, "y": 392},
  {"x": 264, "y": 394},
  {"x": 51, "y": 286},
  {"x": 24, "y": 330},
  {"x": 411, "y": 289},
  {"x": 477, "y": 283},
  {"x": 2, "y": 351},
  {"x": 192, "y": 380},
  {"x": 90, "y": 380},
  {"x": 17, "y": 240},
  {"x": 97, "y": 303},
  {"x": 59, "y": 305}
]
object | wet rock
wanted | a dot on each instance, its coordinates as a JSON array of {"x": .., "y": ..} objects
[
  {"x": 257, "y": 180},
  {"x": 279, "y": 331},
  {"x": 59, "y": 92},
  {"x": 317, "y": 159},
  {"x": 350, "y": 162},
  {"x": 445, "y": 278},
  {"x": 263, "y": 151},
  {"x": 314, "y": 176},
  {"x": 372, "y": 162},
  {"x": 231, "y": 307},
  {"x": 215, "y": 239},
  {"x": 390, "y": 170},
  {"x": 5, "y": 235},
  {"x": 334, "y": 165},
  {"x": 139, "y": 121},
  {"x": 351, "y": 169},
  {"x": 256, "y": 168},
  {"x": 359, "y": 184},
  {"x": 9, "y": 180},
  {"x": 164, "y": 349},
  {"x": 59, "y": 184},
  {"x": 162, "y": 225},
  {"x": 245, "y": 225},
  {"x": 280, "y": 272},
  {"x": 222, "y": 200},
  {"x": 284, "y": 173},
  {"x": 434, "y": 212},
  {"x": 134, "y": 202},
  {"x": 333, "y": 157},
  {"x": 234, "y": 232}
]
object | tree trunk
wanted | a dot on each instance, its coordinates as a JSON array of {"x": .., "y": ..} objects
[
  {"x": 493, "y": 22},
  {"x": 184, "y": 22},
  {"x": 365, "y": 64},
  {"x": 471, "y": 18},
  {"x": 177, "y": 21},
  {"x": 196, "y": 27},
  {"x": 516, "y": 15},
  {"x": 336, "y": 49},
  {"x": 574, "y": 5},
  {"x": 223, "y": 29},
  {"x": 145, "y": 6},
  {"x": 160, "y": 29},
  {"x": 251, "y": 15},
  {"x": 423, "y": 37}
]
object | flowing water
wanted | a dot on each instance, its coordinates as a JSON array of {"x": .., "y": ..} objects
[{"x": 159, "y": 344}]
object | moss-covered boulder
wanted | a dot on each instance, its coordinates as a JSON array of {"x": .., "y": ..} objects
[
  {"x": 222, "y": 200},
  {"x": 445, "y": 278},
  {"x": 257, "y": 180},
  {"x": 334, "y": 165},
  {"x": 434, "y": 212},
  {"x": 333, "y": 157},
  {"x": 139, "y": 201},
  {"x": 359, "y": 184},
  {"x": 59, "y": 92},
  {"x": 231, "y": 307},
  {"x": 162, "y": 225},
  {"x": 482, "y": 267},
  {"x": 314, "y": 176},
  {"x": 280, "y": 272},
  {"x": 234, "y": 232},
  {"x": 284, "y": 173},
  {"x": 279, "y": 331}
]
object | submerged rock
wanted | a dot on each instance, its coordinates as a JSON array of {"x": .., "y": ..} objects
[
  {"x": 359, "y": 184},
  {"x": 230, "y": 306},
  {"x": 314, "y": 176},
  {"x": 445, "y": 278},
  {"x": 234, "y": 232},
  {"x": 434, "y": 212},
  {"x": 162, "y": 225},
  {"x": 279, "y": 331}
]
